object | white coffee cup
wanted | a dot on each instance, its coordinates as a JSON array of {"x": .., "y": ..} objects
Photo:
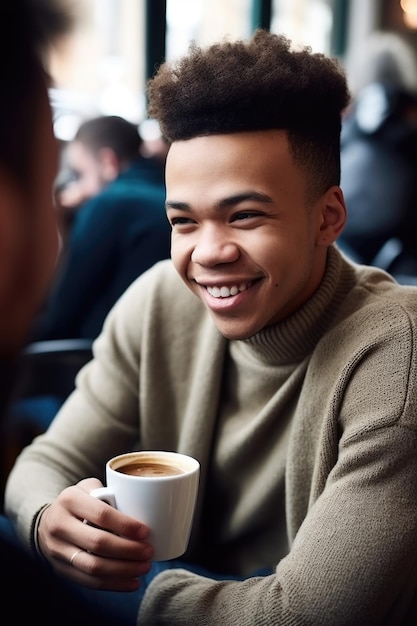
[{"x": 162, "y": 494}]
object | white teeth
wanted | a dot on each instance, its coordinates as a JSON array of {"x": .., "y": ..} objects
[{"x": 226, "y": 292}]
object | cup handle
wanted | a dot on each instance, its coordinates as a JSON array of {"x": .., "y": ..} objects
[{"x": 105, "y": 495}]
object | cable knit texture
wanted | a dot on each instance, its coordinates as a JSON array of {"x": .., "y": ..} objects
[{"x": 307, "y": 438}]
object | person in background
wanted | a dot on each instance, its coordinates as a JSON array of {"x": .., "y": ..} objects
[
  {"x": 102, "y": 148},
  {"x": 288, "y": 371},
  {"x": 119, "y": 230},
  {"x": 379, "y": 157},
  {"x": 31, "y": 592}
]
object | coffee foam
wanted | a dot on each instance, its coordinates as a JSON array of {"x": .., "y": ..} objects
[{"x": 150, "y": 468}]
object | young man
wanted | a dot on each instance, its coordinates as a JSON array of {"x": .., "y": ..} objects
[{"x": 289, "y": 372}]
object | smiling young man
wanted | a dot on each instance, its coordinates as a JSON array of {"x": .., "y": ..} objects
[
  {"x": 247, "y": 238},
  {"x": 289, "y": 372}
]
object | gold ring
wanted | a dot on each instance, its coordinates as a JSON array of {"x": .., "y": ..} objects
[{"x": 72, "y": 559}]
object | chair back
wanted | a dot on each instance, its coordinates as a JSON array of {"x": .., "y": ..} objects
[
  {"x": 50, "y": 367},
  {"x": 45, "y": 377}
]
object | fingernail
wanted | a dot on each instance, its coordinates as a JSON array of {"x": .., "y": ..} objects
[{"x": 143, "y": 532}]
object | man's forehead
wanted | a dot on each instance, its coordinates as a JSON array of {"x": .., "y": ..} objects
[{"x": 264, "y": 139}]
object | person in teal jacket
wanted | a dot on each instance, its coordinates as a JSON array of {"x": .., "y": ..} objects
[{"x": 119, "y": 231}]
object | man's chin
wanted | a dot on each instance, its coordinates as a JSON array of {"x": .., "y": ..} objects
[{"x": 235, "y": 329}]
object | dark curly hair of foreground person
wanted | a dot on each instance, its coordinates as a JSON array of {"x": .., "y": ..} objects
[{"x": 257, "y": 84}]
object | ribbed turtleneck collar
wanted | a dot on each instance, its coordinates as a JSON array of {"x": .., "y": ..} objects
[{"x": 294, "y": 338}]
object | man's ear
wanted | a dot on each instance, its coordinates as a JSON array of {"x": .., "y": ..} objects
[
  {"x": 110, "y": 164},
  {"x": 332, "y": 212}
]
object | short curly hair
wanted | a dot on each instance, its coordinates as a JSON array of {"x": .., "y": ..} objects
[{"x": 258, "y": 84}]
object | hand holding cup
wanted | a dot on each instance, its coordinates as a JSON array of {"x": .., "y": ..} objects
[{"x": 159, "y": 489}]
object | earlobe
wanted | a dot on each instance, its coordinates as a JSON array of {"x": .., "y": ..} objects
[{"x": 333, "y": 216}]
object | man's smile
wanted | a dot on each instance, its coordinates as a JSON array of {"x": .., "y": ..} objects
[{"x": 225, "y": 291}]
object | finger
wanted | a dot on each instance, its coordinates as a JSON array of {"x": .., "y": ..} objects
[
  {"x": 88, "y": 484},
  {"x": 76, "y": 502},
  {"x": 103, "y": 573},
  {"x": 62, "y": 533},
  {"x": 101, "y": 542},
  {"x": 102, "y": 515}
]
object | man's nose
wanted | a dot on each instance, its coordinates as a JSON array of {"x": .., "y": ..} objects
[{"x": 214, "y": 246}]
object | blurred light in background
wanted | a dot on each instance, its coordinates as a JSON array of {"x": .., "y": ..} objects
[
  {"x": 409, "y": 8},
  {"x": 306, "y": 22}
]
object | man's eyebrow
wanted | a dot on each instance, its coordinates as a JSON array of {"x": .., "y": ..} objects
[
  {"x": 181, "y": 206},
  {"x": 243, "y": 197},
  {"x": 225, "y": 202}
]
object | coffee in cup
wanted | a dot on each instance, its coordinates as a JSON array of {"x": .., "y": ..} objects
[
  {"x": 159, "y": 489},
  {"x": 150, "y": 467}
]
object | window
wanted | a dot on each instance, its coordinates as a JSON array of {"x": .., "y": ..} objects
[{"x": 306, "y": 22}]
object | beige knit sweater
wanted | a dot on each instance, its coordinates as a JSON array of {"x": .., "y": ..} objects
[{"x": 307, "y": 437}]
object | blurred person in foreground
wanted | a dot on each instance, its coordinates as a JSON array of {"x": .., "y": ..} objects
[
  {"x": 119, "y": 229},
  {"x": 289, "y": 372},
  {"x": 28, "y": 250}
]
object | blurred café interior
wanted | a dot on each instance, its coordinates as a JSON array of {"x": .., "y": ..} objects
[{"x": 103, "y": 65}]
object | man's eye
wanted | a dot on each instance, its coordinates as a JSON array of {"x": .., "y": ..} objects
[
  {"x": 245, "y": 215},
  {"x": 177, "y": 221}
]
